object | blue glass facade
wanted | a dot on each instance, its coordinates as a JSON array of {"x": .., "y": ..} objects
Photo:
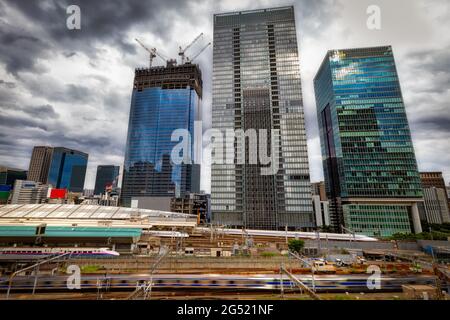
[
  {"x": 68, "y": 169},
  {"x": 156, "y": 112},
  {"x": 365, "y": 140}
]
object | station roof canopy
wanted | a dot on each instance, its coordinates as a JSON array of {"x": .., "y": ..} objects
[{"x": 88, "y": 214}]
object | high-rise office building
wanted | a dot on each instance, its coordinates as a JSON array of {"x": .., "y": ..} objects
[
  {"x": 40, "y": 164},
  {"x": 9, "y": 175},
  {"x": 164, "y": 99},
  {"x": 61, "y": 167},
  {"x": 256, "y": 85},
  {"x": 369, "y": 162},
  {"x": 67, "y": 169},
  {"x": 107, "y": 175}
]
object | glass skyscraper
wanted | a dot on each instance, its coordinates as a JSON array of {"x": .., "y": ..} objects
[
  {"x": 106, "y": 175},
  {"x": 164, "y": 99},
  {"x": 369, "y": 163},
  {"x": 256, "y": 85},
  {"x": 67, "y": 169}
]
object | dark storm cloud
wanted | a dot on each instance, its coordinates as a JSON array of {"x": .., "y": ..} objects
[
  {"x": 20, "y": 122},
  {"x": 30, "y": 130},
  {"x": 69, "y": 54},
  {"x": 76, "y": 93},
  {"x": 16, "y": 47},
  {"x": 7, "y": 84},
  {"x": 105, "y": 22},
  {"x": 435, "y": 62},
  {"x": 5, "y": 140},
  {"x": 46, "y": 111},
  {"x": 430, "y": 97},
  {"x": 93, "y": 97},
  {"x": 52, "y": 90},
  {"x": 439, "y": 123},
  {"x": 36, "y": 112}
]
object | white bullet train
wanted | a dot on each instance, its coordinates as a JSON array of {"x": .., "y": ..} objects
[
  {"x": 292, "y": 234},
  {"x": 32, "y": 253}
]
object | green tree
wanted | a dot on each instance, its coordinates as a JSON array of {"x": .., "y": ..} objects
[{"x": 296, "y": 245}]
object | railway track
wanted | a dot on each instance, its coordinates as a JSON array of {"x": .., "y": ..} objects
[{"x": 211, "y": 282}]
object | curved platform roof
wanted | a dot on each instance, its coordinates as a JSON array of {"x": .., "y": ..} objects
[{"x": 88, "y": 214}]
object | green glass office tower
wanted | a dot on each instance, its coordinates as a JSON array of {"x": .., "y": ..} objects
[{"x": 368, "y": 157}]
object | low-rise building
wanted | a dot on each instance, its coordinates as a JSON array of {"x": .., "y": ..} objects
[
  {"x": 321, "y": 205},
  {"x": 435, "y": 206},
  {"x": 29, "y": 192}
]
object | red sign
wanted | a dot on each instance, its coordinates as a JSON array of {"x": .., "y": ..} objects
[{"x": 58, "y": 194}]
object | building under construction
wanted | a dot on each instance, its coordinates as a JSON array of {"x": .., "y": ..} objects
[{"x": 164, "y": 99}]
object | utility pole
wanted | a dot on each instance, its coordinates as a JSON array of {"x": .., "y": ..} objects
[
  {"x": 285, "y": 232},
  {"x": 319, "y": 249},
  {"x": 308, "y": 264},
  {"x": 281, "y": 281},
  {"x": 300, "y": 284},
  {"x": 148, "y": 291},
  {"x": 351, "y": 232}
]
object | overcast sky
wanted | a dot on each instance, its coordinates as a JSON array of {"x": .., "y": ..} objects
[{"x": 72, "y": 88}]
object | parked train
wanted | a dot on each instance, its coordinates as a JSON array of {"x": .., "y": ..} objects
[
  {"x": 32, "y": 253},
  {"x": 323, "y": 283}
]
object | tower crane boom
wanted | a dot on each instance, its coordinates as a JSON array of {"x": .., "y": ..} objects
[
  {"x": 152, "y": 53},
  {"x": 182, "y": 51},
  {"x": 196, "y": 55}
]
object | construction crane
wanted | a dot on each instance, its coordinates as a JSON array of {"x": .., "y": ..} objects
[
  {"x": 152, "y": 53},
  {"x": 189, "y": 60},
  {"x": 182, "y": 51}
]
